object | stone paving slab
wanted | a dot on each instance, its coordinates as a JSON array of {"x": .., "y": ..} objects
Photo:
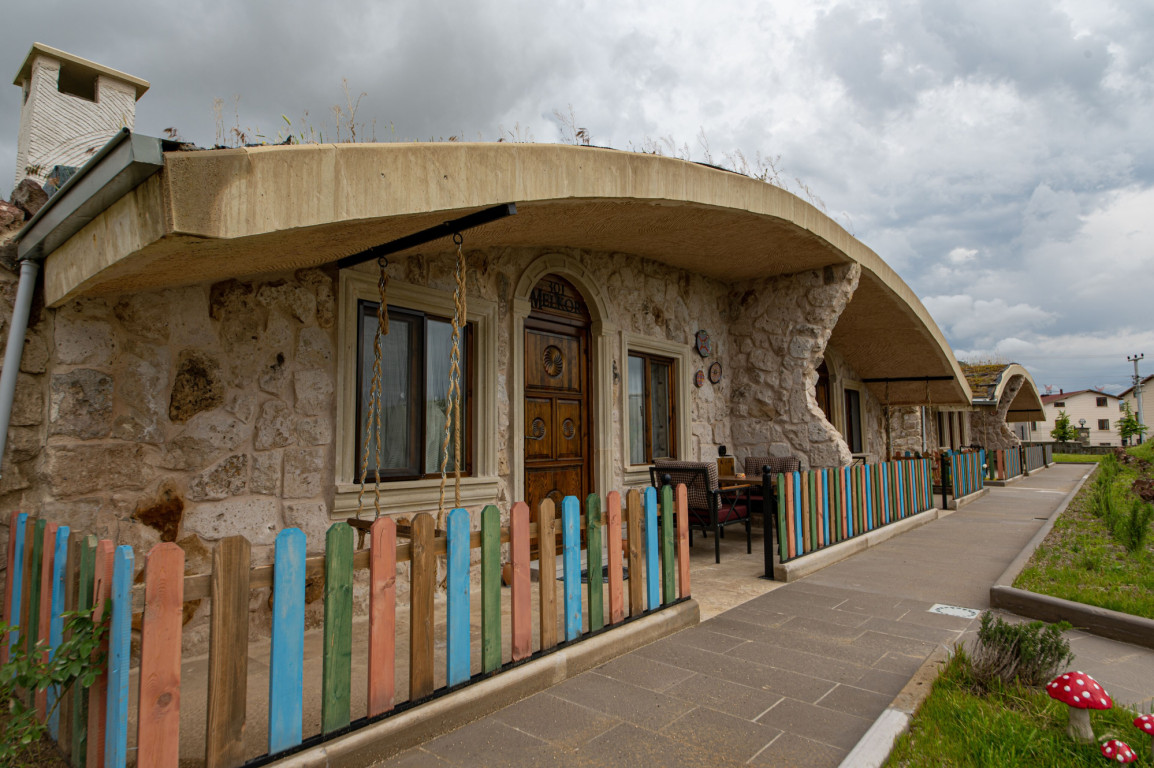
[{"x": 794, "y": 676}]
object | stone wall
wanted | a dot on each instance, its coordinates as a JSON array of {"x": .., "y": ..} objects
[
  {"x": 988, "y": 426},
  {"x": 780, "y": 328},
  {"x": 182, "y": 415}
]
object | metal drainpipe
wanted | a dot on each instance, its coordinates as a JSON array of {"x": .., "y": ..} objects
[{"x": 29, "y": 270}]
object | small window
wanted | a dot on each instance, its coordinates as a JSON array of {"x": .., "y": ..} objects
[
  {"x": 1121, "y": 406},
  {"x": 1060, "y": 404},
  {"x": 76, "y": 82},
  {"x": 853, "y": 436},
  {"x": 1104, "y": 424},
  {"x": 652, "y": 416},
  {"x": 1034, "y": 425},
  {"x": 1101, "y": 402},
  {"x": 414, "y": 383}
]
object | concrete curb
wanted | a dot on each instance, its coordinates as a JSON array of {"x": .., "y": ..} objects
[
  {"x": 875, "y": 745},
  {"x": 957, "y": 504},
  {"x": 1097, "y": 621},
  {"x": 385, "y": 738},
  {"x": 835, "y": 553}
]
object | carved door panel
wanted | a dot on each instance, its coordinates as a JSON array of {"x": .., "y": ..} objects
[{"x": 556, "y": 413}]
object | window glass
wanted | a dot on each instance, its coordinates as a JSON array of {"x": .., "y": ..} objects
[
  {"x": 651, "y": 413},
  {"x": 414, "y": 389},
  {"x": 659, "y": 375},
  {"x": 636, "y": 411},
  {"x": 1101, "y": 402},
  {"x": 853, "y": 436},
  {"x": 439, "y": 345},
  {"x": 1103, "y": 423}
]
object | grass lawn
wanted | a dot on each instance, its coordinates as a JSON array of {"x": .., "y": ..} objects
[
  {"x": 1011, "y": 726},
  {"x": 1080, "y": 560},
  {"x": 1077, "y": 458}
]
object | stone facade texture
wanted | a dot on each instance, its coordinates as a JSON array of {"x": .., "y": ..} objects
[
  {"x": 988, "y": 426},
  {"x": 191, "y": 414}
]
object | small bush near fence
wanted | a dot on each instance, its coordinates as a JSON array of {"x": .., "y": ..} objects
[{"x": 1031, "y": 654}]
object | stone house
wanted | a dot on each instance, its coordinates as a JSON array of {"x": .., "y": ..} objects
[{"x": 198, "y": 361}]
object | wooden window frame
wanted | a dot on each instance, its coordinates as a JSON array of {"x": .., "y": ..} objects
[
  {"x": 1104, "y": 428},
  {"x": 647, "y": 402},
  {"x": 417, "y": 372}
]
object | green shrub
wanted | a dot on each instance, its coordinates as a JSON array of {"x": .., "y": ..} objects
[
  {"x": 1030, "y": 654},
  {"x": 77, "y": 659},
  {"x": 1134, "y": 529}
]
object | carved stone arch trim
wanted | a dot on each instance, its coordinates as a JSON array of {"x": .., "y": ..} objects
[
  {"x": 601, "y": 327},
  {"x": 572, "y": 270}
]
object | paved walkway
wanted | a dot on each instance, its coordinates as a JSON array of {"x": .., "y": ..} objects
[{"x": 795, "y": 676}]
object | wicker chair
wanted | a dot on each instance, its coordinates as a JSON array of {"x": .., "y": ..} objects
[
  {"x": 759, "y": 497},
  {"x": 711, "y": 508}
]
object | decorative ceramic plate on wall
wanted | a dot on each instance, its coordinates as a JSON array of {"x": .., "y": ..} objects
[
  {"x": 715, "y": 373},
  {"x": 704, "y": 343},
  {"x": 699, "y": 378}
]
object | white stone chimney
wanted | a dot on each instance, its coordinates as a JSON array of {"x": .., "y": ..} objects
[{"x": 71, "y": 108}]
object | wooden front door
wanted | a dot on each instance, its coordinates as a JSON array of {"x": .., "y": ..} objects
[{"x": 557, "y": 414}]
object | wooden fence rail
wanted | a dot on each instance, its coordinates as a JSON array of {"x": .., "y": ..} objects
[
  {"x": 1006, "y": 464},
  {"x": 53, "y": 570},
  {"x": 819, "y": 508},
  {"x": 1035, "y": 457}
]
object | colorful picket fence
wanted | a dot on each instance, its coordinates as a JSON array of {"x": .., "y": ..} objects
[
  {"x": 1006, "y": 464},
  {"x": 821, "y": 507},
  {"x": 966, "y": 472},
  {"x": 1035, "y": 457},
  {"x": 55, "y": 570}
]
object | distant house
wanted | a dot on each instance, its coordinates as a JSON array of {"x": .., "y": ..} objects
[
  {"x": 1091, "y": 409},
  {"x": 1131, "y": 398}
]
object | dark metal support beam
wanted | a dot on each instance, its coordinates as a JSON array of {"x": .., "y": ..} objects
[
  {"x": 444, "y": 229},
  {"x": 891, "y": 380}
]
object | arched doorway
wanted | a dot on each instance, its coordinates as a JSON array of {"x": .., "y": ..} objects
[{"x": 558, "y": 434}]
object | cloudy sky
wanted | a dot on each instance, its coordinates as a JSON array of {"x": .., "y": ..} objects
[{"x": 1000, "y": 155}]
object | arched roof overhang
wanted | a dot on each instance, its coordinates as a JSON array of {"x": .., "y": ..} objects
[
  {"x": 989, "y": 384},
  {"x": 217, "y": 214}
]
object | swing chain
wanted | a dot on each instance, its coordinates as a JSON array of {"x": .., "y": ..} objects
[
  {"x": 453, "y": 397},
  {"x": 373, "y": 417}
]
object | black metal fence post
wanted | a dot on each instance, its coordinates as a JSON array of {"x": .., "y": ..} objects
[{"x": 768, "y": 517}]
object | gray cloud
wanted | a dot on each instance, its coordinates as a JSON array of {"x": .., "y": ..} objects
[{"x": 1015, "y": 133}]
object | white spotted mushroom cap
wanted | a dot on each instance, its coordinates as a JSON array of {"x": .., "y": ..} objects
[
  {"x": 1119, "y": 750},
  {"x": 1077, "y": 689},
  {"x": 1145, "y": 723}
]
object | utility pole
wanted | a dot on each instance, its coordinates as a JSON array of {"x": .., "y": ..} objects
[{"x": 1137, "y": 388}]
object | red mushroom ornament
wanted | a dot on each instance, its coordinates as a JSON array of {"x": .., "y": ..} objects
[
  {"x": 1145, "y": 723},
  {"x": 1119, "y": 751},
  {"x": 1080, "y": 693}
]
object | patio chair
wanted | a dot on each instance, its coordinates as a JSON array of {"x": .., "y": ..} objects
[
  {"x": 711, "y": 507},
  {"x": 758, "y": 496}
]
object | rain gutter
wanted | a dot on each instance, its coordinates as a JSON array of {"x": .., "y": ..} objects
[{"x": 121, "y": 165}]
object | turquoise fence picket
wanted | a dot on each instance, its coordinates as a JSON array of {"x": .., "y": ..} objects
[
  {"x": 56, "y": 621},
  {"x": 652, "y": 573},
  {"x": 571, "y": 564},
  {"x": 457, "y": 597},
  {"x": 286, "y": 659},
  {"x": 119, "y": 658}
]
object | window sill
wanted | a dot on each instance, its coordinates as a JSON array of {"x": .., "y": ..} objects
[{"x": 410, "y": 496}]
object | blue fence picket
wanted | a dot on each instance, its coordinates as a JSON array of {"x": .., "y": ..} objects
[
  {"x": 457, "y": 623},
  {"x": 828, "y": 539},
  {"x": 16, "y": 577},
  {"x": 56, "y": 620},
  {"x": 119, "y": 649},
  {"x": 652, "y": 572},
  {"x": 571, "y": 564},
  {"x": 286, "y": 659},
  {"x": 798, "y": 533}
]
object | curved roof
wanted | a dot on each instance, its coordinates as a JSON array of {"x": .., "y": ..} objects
[
  {"x": 989, "y": 382},
  {"x": 214, "y": 214}
]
